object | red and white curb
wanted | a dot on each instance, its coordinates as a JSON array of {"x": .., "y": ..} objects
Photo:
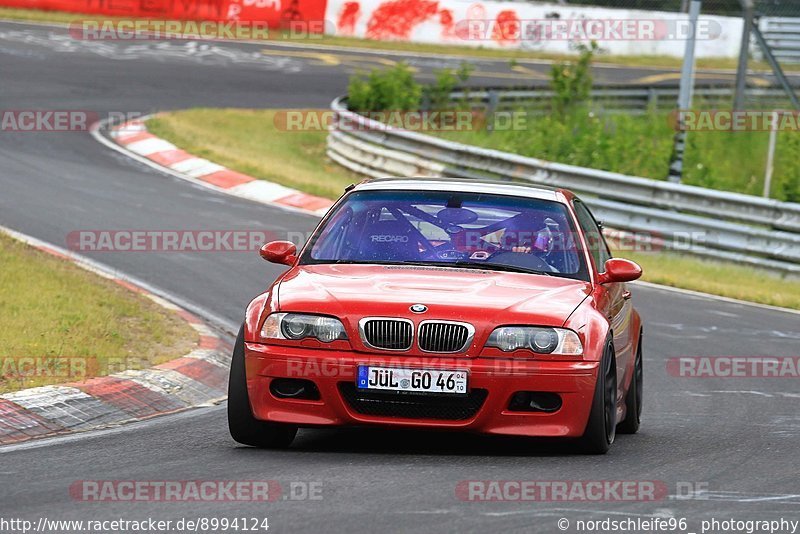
[
  {"x": 198, "y": 378},
  {"x": 134, "y": 139}
]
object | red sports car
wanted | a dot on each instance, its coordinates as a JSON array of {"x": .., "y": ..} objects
[{"x": 490, "y": 307}]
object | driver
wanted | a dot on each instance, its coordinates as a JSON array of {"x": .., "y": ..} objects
[
  {"x": 542, "y": 242},
  {"x": 525, "y": 234}
]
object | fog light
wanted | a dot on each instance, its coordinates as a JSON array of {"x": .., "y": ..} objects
[
  {"x": 294, "y": 388},
  {"x": 535, "y": 401}
]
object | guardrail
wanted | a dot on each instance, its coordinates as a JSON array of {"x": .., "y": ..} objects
[
  {"x": 631, "y": 100},
  {"x": 709, "y": 223}
]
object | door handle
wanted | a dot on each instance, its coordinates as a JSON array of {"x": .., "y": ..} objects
[{"x": 626, "y": 294}]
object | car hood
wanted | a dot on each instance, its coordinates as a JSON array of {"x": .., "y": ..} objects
[{"x": 477, "y": 296}]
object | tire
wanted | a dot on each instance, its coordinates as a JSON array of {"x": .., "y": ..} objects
[
  {"x": 245, "y": 428},
  {"x": 602, "y": 426},
  {"x": 633, "y": 399}
]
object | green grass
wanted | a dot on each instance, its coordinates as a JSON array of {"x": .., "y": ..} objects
[
  {"x": 718, "y": 278},
  {"x": 642, "y": 145},
  {"x": 248, "y": 141},
  {"x": 33, "y": 15},
  {"x": 53, "y": 310},
  {"x": 36, "y": 15}
]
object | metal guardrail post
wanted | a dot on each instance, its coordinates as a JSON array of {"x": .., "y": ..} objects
[
  {"x": 676, "y": 161},
  {"x": 744, "y": 51},
  {"x": 491, "y": 108},
  {"x": 652, "y": 98},
  {"x": 773, "y": 139},
  {"x": 685, "y": 94}
]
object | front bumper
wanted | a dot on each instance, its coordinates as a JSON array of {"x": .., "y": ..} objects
[{"x": 334, "y": 373}]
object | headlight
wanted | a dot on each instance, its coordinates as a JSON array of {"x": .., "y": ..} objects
[
  {"x": 298, "y": 326},
  {"x": 541, "y": 340}
]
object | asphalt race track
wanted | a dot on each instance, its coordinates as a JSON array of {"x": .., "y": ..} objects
[{"x": 733, "y": 441}]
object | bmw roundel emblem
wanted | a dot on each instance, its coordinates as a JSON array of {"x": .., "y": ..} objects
[{"x": 419, "y": 308}]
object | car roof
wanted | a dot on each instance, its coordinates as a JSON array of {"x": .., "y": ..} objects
[{"x": 496, "y": 187}]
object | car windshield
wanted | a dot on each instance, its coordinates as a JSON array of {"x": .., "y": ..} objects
[{"x": 456, "y": 229}]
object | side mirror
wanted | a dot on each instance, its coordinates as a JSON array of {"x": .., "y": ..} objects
[
  {"x": 620, "y": 270},
  {"x": 284, "y": 252}
]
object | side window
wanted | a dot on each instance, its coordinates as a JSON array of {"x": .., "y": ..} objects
[{"x": 594, "y": 236}]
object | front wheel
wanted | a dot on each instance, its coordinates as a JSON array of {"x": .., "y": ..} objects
[
  {"x": 243, "y": 427},
  {"x": 633, "y": 400},
  {"x": 601, "y": 428}
]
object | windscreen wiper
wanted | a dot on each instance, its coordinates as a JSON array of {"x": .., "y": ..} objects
[
  {"x": 497, "y": 267},
  {"x": 476, "y": 266}
]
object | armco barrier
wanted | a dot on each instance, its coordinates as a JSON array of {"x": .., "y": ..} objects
[
  {"x": 731, "y": 226},
  {"x": 630, "y": 99}
]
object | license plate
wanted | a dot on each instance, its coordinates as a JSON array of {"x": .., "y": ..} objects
[{"x": 411, "y": 380}]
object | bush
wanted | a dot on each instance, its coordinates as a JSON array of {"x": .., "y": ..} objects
[
  {"x": 394, "y": 89},
  {"x": 437, "y": 94},
  {"x": 786, "y": 175},
  {"x": 382, "y": 90},
  {"x": 572, "y": 82}
]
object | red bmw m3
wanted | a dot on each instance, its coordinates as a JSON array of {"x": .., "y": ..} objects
[{"x": 489, "y": 307}]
